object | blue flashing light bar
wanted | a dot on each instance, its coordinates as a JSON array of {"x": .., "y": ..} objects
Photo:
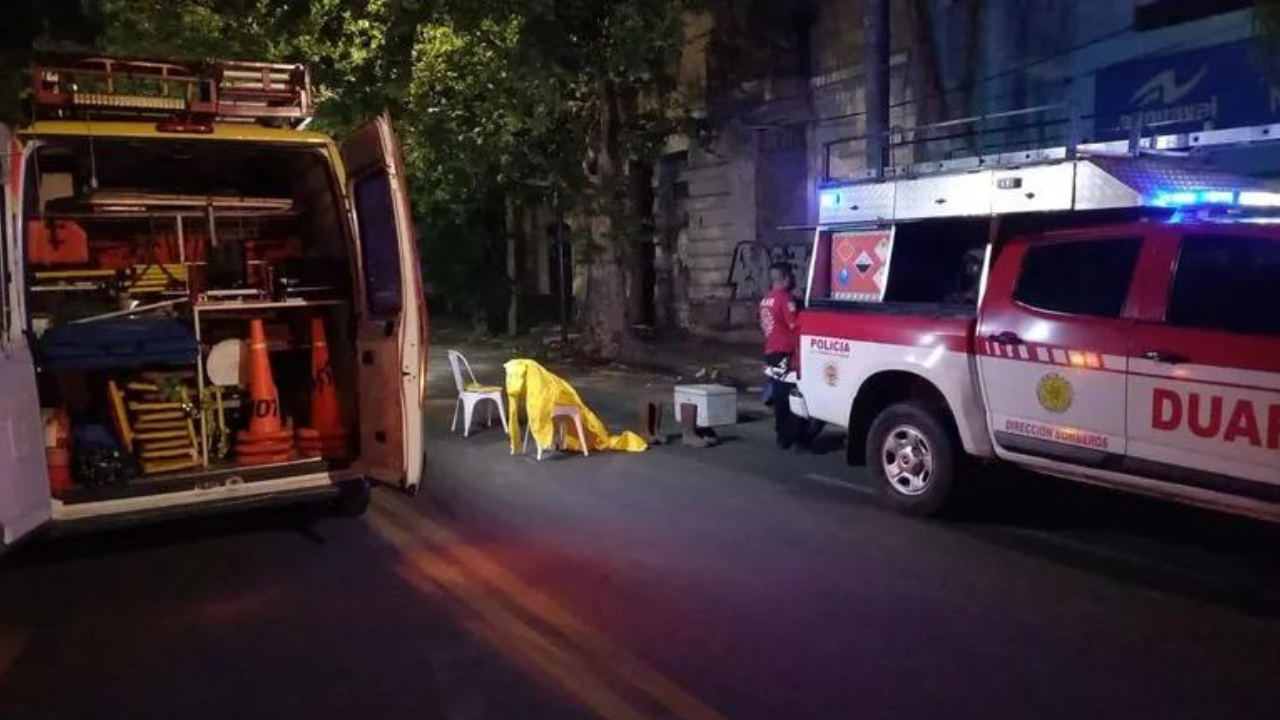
[
  {"x": 829, "y": 198},
  {"x": 1259, "y": 198},
  {"x": 1241, "y": 198},
  {"x": 1180, "y": 198},
  {"x": 1218, "y": 197}
]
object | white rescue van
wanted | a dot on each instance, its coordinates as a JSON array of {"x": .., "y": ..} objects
[{"x": 154, "y": 214}]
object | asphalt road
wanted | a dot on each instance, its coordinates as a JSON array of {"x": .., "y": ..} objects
[{"x": 737, "y": 582}]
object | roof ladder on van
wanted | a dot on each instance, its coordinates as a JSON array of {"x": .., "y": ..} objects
[{"x": 172, "y": 91}]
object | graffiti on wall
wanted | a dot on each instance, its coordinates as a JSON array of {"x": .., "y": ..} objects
[{"x": 749, "y": 271}]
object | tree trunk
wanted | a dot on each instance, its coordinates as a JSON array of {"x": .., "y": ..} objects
[
  {"x": 639, "y": 247},
  {"x": 512, "y": 228},
  {"x": 606, "y": 326}
]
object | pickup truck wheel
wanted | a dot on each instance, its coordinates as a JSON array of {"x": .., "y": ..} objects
[{"x": 912, "y": 454}]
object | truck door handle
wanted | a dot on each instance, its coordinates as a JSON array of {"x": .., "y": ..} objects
[
  {"x": 1161, "y": 356},
  {"x": 1005, "y": 338}
]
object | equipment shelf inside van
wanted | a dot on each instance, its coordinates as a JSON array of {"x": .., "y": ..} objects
[{"x": 149, "y": 261}]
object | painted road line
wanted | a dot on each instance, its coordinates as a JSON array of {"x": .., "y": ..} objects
[
  {"x": 639, "y": 674},
  {"x": 843, "y": 484},
  {"x": 428, "y": 572}
]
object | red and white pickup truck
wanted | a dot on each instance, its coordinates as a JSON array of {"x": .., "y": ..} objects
[{"x": 1110, "y": 320}]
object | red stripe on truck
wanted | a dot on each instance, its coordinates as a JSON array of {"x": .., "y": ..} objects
[{"x": 955, "y": 334}]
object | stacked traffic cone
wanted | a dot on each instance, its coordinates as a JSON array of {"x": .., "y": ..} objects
[
  {"x": 266, "y": 440},
  {"x": 325, "y": 438}
]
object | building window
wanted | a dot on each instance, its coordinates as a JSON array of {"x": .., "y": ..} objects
[{"x": 1152, "y": 14}]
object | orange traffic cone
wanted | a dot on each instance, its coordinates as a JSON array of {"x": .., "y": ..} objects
[
  {"x": 266, "y": 440},
  {"x": 325, "y": 437}
]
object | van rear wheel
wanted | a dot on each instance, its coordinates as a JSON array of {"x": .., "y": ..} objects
[
  {"x": 352, "y": 500},
  {"x": 913, "y": 456}
]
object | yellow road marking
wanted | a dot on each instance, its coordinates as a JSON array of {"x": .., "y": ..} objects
[
  {"x": 631, "y": 668},
  {"x": 499, "y": 627}
]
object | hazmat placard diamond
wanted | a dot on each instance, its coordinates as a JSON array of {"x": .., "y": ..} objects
[{"x": 860, "y": 264}]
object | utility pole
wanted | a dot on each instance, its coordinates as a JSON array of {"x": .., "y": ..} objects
[{"x": 875, "y": 73}]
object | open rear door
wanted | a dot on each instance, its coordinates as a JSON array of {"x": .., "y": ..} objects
[
  {"x": 392, "y": 333},
  {"x": 24, "y": 480}
]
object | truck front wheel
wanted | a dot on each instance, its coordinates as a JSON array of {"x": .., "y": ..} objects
[{"x": 913, "y": 456}]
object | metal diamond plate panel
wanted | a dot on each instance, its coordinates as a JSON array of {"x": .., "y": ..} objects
[
  {"x": 1093, "y": 183},
  {"x": 967, "y": 194},
  {"x": 1033, "y": 189},
  {"x": 870, "y": 202},
  {"x": 1097, "y": 189},
  {"x": 1150, "y": 175}
]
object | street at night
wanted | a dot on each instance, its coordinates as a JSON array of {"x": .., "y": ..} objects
[
  {"x": 738, "y": 581},
  {"x": 644, "y": 360}
]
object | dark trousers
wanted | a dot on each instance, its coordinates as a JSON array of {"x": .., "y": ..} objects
[{"x": 785, "y": 425}]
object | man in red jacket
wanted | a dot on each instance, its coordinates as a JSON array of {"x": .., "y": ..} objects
[{"x": 781, "y": 327}]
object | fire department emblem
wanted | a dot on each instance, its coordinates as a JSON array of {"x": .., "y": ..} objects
[
  {"x": 831, "y": 374},
  {"x": 1055, "y": 393}
]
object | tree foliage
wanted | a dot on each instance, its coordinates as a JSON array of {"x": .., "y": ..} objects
[
  {"x": 358, "y": 50},
  {"x": 28, "y": 25},
  {"x": 615, "y": 62},
  {"x": 493, "y": 100}
]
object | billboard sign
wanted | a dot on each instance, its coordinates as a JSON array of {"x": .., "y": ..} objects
[{"x": 1214, "y": 87}]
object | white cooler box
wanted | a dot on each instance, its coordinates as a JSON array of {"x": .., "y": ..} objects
[{"x": 717, "y": 404}]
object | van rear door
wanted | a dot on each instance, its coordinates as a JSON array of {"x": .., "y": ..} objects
[
  {"x": 24, "y": 480},
  {"x": 392, "y": 333}
]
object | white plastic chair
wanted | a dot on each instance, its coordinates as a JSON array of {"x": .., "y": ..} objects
[
  {"x": 471, "y": 394},
  {"x": 565, "y": 413}
]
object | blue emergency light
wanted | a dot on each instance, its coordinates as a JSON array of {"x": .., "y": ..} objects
[{"x": 1240, "y": 198}]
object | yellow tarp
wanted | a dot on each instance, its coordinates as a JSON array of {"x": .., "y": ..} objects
[{"x": 540, "y": 390}]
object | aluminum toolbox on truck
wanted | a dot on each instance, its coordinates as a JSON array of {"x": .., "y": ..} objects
[{"x": 1079, "y": 185}]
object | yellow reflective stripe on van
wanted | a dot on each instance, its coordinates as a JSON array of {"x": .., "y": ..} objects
[{"x": 221, "y": 131}]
